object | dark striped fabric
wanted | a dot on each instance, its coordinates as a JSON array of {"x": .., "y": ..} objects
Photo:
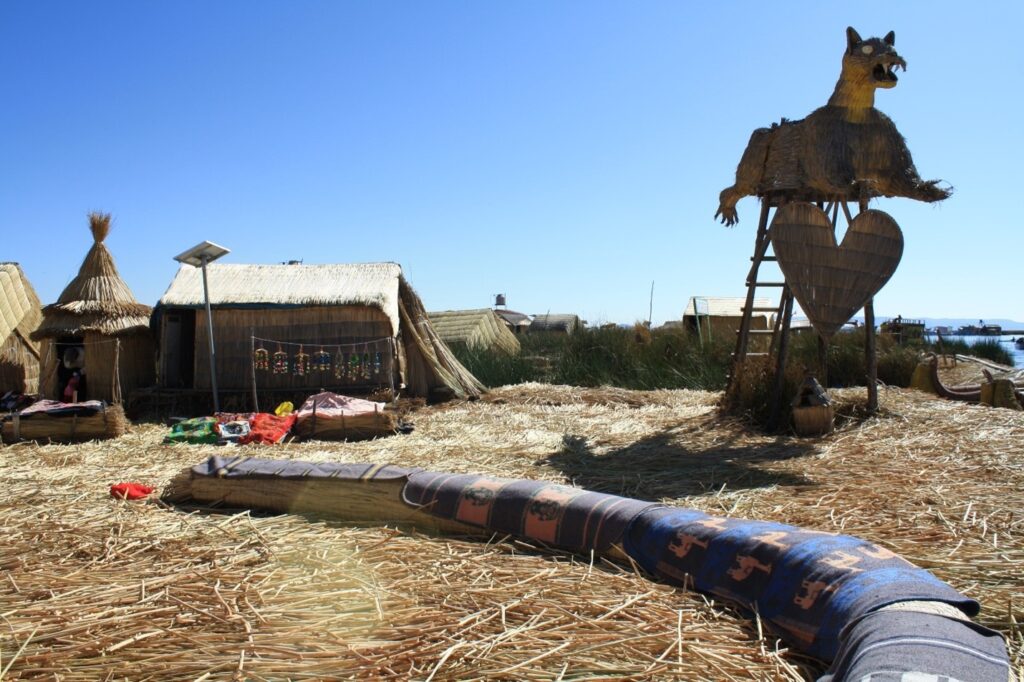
[
  {"x": 909, "y": 646},
  {"x": 254, "y": 467},
  {"x": 809, "y": 584},
  {"x": 556, "y": 515}
]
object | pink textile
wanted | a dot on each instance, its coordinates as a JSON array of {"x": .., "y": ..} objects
[{"x": 333, "y": 405}]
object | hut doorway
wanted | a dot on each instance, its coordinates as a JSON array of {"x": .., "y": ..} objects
[
  {"x": 177, "y": 348},
  {"x": 71, "y": 368}
]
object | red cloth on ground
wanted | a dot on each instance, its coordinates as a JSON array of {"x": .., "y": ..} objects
[
  {"x": 130, "y": 491},
  {"x": 268, "y": 428}
]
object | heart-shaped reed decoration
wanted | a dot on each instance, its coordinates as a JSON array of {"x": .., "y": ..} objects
[{"x": 833, "y": 281}]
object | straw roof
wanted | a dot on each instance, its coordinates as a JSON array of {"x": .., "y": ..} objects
[
  {"x": 97, "y": 299},
  {"x": 555, "y": 323},
  {"x": 724, "y": 306},
  {"x": 20, "y": 310},
  {"x": 298, "y": 285},
  {"x": 478, "y": 329},
  {"x": 20, "y": 314}
]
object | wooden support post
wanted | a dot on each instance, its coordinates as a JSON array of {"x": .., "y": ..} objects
[
  {"x": 252, "y": 369},
  {"x": 823, "y": 360},
  {"x": 871, "y": 356},
  {"x": 870, "y": 349},
  {"x": 780, "y": 364}
]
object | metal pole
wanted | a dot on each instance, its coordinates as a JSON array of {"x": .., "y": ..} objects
[
  {"x": 252, "y": 369},
  {"x": 209, "y": 331}
]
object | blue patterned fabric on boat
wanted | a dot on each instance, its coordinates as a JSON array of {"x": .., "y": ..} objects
[{"x": 810, "y": 584}]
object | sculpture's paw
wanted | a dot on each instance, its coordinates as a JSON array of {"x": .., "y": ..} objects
[
  {"x": 727, "y": 214},
  {"x": 931, "y": 191}
]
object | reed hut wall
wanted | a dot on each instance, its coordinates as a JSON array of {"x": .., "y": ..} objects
[
  {"x": 311, "y": 326},
  {"x": 134, "y": 353},
  {"x": 19, "y": 365},
  {"x": 136, "y": 365},
  {"x": 725, "y": 327}
]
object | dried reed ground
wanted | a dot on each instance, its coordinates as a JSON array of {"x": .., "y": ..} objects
[{"x": 92, "y": 588}]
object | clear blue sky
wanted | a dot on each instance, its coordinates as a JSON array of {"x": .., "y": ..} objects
[{"x": 565, "y": 153}]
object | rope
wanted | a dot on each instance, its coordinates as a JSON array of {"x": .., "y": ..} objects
[{"x": 317, "y": 344}]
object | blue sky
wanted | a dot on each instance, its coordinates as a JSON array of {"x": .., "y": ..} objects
[{"x": 564, "y": 153}]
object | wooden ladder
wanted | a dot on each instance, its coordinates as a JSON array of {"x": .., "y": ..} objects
[{"x": 779, "y": 332}]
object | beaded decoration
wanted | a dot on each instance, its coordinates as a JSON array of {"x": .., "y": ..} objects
[
  {"x": 261, "y": 359},
  {"x": 322, "y": 361},
  {"x": 301, "y": 364},
  {"x": 280, "y": 361}
]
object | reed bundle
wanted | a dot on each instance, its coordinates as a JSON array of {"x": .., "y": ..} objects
[
  {"x": 109, "y": 422},
  {"x": 354, "y": 427},
  {"x": 94, "y": 587}
]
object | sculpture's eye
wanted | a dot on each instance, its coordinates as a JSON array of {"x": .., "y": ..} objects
[{"x": 867, "y": 49}]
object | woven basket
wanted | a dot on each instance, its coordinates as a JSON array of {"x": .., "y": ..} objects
[{"x": 815, "y": 420}]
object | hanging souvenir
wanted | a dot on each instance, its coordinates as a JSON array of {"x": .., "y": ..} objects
[
  {"x": 301, "y": 364},
  {"x": 366, "y": 367},
  {"x": 322, "y": 361},
  {"x": 280, "y": 361},
  {"x": 378, "y": 363},
  {"x": 261, "y": 359},
  {"x": 354, "y": 362},
  {"x": 340, "y": 365}
]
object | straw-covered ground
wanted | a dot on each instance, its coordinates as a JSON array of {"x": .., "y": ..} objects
[{"x": 92, "y": 588}]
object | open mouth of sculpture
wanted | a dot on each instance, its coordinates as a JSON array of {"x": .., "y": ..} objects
[{"x": 885, "y": 72}]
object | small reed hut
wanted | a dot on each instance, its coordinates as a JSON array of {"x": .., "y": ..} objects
[
  {"x": 302, "y": 328},
  {"x": 96, "y": 330},
  {"x": 555, "y": 324},
  {"x": 480, "y": 329},
  {"x": 20, "y": 314},
  {"x": 718, "y": 317},
  {"x": 518, "y": 323}
]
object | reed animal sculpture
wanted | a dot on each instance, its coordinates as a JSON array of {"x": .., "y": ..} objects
[{"x": 845, "y": 150}]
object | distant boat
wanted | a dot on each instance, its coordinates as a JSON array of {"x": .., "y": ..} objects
[{"x": 1019, "y": 342}]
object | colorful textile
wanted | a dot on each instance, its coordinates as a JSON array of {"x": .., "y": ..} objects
[
  {"x": 130, "y": 491},
  {"x": 200, "y": 430},
  {"x": 284, "y": 408},
  {"x": 253, "y": 467},
  {"x": 329, "y": 404},
  {"x": 808, "y": 583},
  {"x": 55, "y": 408},
  {"x": 558, "y": 515},
  {"x": 267, "y": 428},
  {"x": 232, "y": 432}
]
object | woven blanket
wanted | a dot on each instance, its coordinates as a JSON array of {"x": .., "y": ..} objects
[
  {"x": 254, "y": 467},
  {"x": 329, "y": 404},
  {"x": 808, "y": 583},
  {"x": 197, "y": 431},
  {"x": 55, "y": 408},
  {"x": 557, "y": 515},
  {"x": 267, "y": 428}
]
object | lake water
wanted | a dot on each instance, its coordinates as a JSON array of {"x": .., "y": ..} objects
[{"x": 1006, "y": 341}]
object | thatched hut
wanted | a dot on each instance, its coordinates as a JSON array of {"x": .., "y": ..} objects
[
  {"x": 299, "y": 328},
  {"x": 96, "y": 330},
  {"x": 20, "y": 314},
  {"x": 555, "y": 324},
  {"x": 517, "y": 323},
  {"x": 719, "y": 317},
  {"x": 480, "y": 329}
]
